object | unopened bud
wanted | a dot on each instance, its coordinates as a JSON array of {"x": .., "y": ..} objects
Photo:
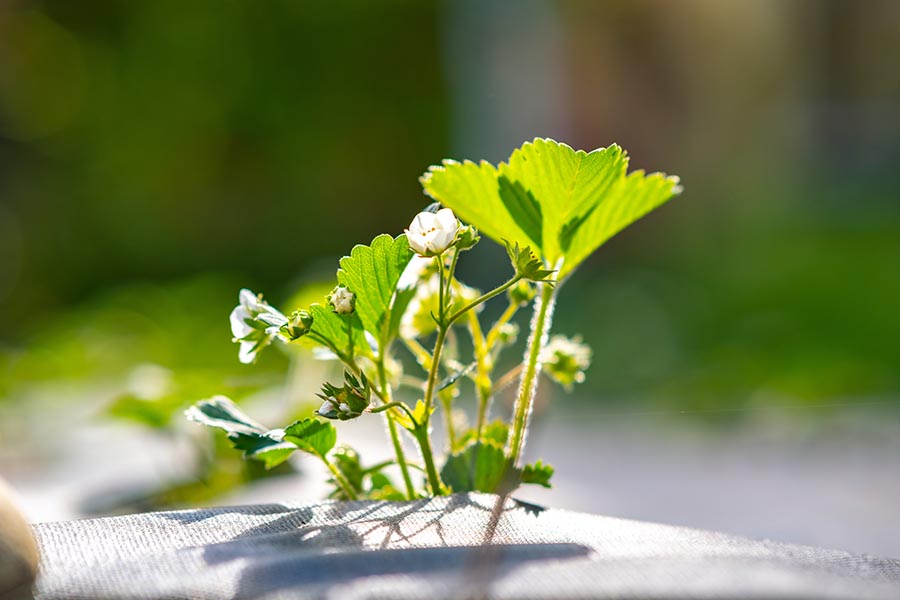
[{"x": 342, "y": 300}]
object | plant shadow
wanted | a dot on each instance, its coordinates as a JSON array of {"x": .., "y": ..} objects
[{"x": 316, "y": 547}]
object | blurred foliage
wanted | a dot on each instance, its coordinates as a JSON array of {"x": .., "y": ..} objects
[{"x": 155, "y": 157}]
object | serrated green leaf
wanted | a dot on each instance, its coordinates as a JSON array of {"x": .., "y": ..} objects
[
  {"x": 472, "y": 191},
  {"x": 538, "y": 474},
  {"x": 628, "y": 200},
  {"x": 222, "y": 413},
  {"x": 244, "y": 433},
  {"x": 524, "y": 208},
  {"x": 583, "y": 198},
  {"x": 332, "y": 326},
  {"x": 564, "y": 181},
  {"x": 265, "y": 448},
  {"x": 372, "y": 272},
  {"x": 479, "y": 468},
  {"x": 311, "y": 435}
]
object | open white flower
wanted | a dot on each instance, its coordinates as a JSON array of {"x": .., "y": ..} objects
[
  {"x": 254, "y": 324},
  {"x": 430, "y": 234}
]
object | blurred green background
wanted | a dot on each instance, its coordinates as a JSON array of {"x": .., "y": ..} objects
[{"x": 157, "y": 156}]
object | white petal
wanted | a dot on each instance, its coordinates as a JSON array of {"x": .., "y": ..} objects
[
  {"x": 326, "y": 408},
  {"x": 446, "y": 220},
  {"x": 414, "y": 242},
  {"x": 248, "y": 299},
  {"x": 423, "y": 221},
  {"x": 442, "y": 240},
  {"x": 239, "y": 326},
  {"x": 247, "y": 353}
]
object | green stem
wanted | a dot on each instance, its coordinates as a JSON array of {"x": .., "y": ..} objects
[
  {"x": 451, "y": 432},
  {"x": 505, "y": 318},
  {"x": 434, "y": 480},
  {"x": 392, "y": 427},
  {"x": 481, "y": 299},
  {"x": 540, "y": 327},
  {"x": 340, "y": 479},
  {"x": 483, "y": 376}
]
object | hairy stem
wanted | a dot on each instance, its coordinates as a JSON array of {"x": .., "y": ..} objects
[
  {"x": 392, "y": 428},
  {"x": 540, "y": 327}
]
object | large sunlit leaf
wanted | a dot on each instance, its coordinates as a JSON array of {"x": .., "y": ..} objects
[
  {"x": 564, "y": 202},
  {"x": 472, "y": 191},
  {"x": 372, "y": 272}
]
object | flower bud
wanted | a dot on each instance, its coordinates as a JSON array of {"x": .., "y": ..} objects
[
  {"x": 467, "y": 238},
  {"x": 430, "y": 234},
  {"x": 508, "y": 333},
  {"x": 522, "y": 293},
  {"x": 342, "y": 300},
  {"x": 299, "y": 325},
  {"x": 348, "y": 401}
]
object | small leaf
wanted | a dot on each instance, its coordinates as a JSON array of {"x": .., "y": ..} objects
[
  {"x": 372, "y": 273},
  {"x": 479, "y": 468},
  {"x": 265, "y": 448},
  {"x": 244, "y": 433},
  {"x": 526, "y": 264},
  {"x": 538, "y": 474},
  {"x": 222, "y": 413},
  {"x": 311, "y": 435}
]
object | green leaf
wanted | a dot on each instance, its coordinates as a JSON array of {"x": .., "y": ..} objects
[
  {"x": 472, "y": 191},
  {"x": 333, "y": 327},
  {"x": 479, "y": 468},
  {"x": 523, "y": 207},
  {"x": 628, "y": 200},
  {"x": 222, "y": 413},
  {"x": 311, "y": 435},
  {"x": 538, "y": 474},
  {"x": 265, "y": 448},
  {"x": 244, "y": 433},
  {"x": 564, "y": 202},
  {"x": 372, "y": 272}
]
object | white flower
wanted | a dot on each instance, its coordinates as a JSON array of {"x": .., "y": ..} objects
[
  {"x": 430, "y": 234},
  {"x": 342, "y": 300},
  {"x": 254, "y": 324},
  {"x": 326, "y": 408}
]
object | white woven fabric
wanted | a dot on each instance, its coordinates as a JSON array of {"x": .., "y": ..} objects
[{"x": 432, "y": 549}]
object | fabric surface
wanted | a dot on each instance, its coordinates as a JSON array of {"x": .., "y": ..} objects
[{"x": 466, "y": 546}]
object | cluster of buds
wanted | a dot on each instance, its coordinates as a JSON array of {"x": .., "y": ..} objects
[
  {"x": 566, "y": 359},
  {"x": 348, "y": 401}
]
